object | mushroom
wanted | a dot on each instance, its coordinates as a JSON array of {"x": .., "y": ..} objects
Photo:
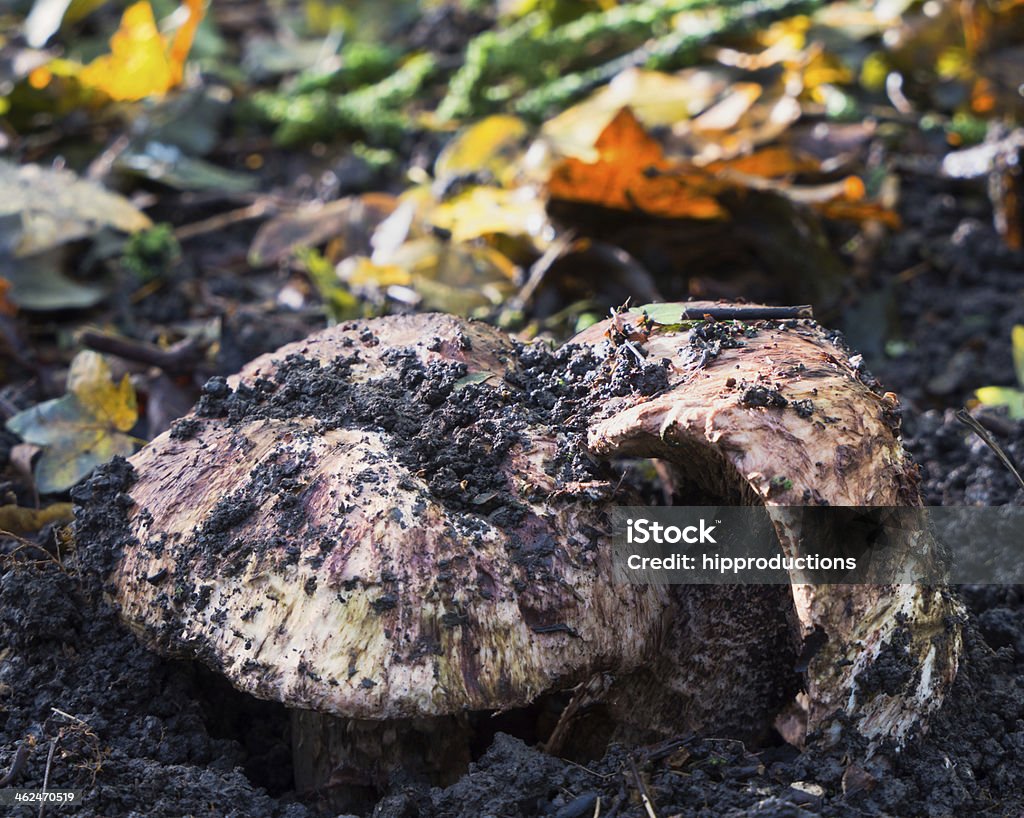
[{"x": 396, "y": 524}]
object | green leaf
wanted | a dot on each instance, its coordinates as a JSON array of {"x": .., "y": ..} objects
[
  {"x": 38, "y": 283},
  {"x": 1012, "y": 399},
  {"x": 473, "y": 377},
  {"x": 671, "y": 313},
  {"x": 168, "y": 165},
  {"x": 81, "y": 429}
]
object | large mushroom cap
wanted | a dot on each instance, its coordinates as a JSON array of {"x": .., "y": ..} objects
[{"x": 383, "y": 520}]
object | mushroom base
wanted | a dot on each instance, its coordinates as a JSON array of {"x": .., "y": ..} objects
[{"x": 346, "y": 764}]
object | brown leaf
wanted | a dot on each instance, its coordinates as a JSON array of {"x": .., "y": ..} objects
[{"x": 631, "y": 173}]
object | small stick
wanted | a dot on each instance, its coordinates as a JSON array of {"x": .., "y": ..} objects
[
  {"x": 968, "y": 420},
  {"x": 179, "y": 358},
  {"x": 256, "y": 210},
  {"x": 644, "y": 796},
  {"x": 60, "y": 712},
  {"x": 46, "y": 775},
  {"x": 721, "y": 312}
]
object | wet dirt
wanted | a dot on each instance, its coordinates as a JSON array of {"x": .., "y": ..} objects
[{"x": 143, "y": 735}]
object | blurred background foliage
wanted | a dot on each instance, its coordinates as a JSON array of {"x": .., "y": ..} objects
[{"x": 187, "y": 184}]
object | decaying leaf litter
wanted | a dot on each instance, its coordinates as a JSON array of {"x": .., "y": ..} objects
[{"x": 855, "y": 134}]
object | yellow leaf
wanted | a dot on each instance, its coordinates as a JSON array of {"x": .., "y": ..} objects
[
  {"x": 488, "y": 145},
  {"x": 141, "y": 63},
  {"x": 20, "y": 520},
  {"x": 360, "y": 271},
  {"x": 483, "y": 211},
  {"x": 1017, "y": 338},
  {"x": 90, "y": 381},
  {"x": 81, "y": 429},
  {"x": 1012, "y": 399}
]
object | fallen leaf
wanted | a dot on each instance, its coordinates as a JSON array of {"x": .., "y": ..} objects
[
  {"x": 38, "y": 283},
  {"x": 769, "y": 163},
  {"x": 746, "y": 119},
  {"x": 486, "y": 146},
  {"x": 482, "y": 211},
  {"x": 359, "y": 271},
  {"x": 655, "y": 98},
  {"x": 1003, "y": 396},
  {"x": 1017, "y": 341},
  {"x": 351, "y": 220},
  {"x": 168, "y": 165},
  {"x": 81, "y": 429},
  {"x": 6, "y": 306},
  {"x": 41, "y": 208},
  {"x": 18, "y": 520},
  {"x": 141, "y": 63},
  {"x": 631, "y": 173}
]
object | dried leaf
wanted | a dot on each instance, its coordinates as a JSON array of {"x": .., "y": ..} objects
[
  {"x": 655, "y": 98},
  {"x": 488, "y": 145},
  {"x": 748, "y": 118},
  {"x": 41, "y": 208},
  {"x": 631, "y": 173},
  {"x": 352, "y": 220},
  {"x": 6, "y": 306},
  {"x": 81, "y": 429},
  {"x": 483, "y": 211},
  {"x": 19, "y": 520},
  {"x": 141, "y": 63},
  {"x": 1017, "y": 339}
]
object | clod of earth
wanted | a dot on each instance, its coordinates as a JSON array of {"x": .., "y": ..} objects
[{"x": 396, "y": 525}]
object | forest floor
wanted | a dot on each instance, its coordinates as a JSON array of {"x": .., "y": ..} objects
[{"x": 931, "y": 302}]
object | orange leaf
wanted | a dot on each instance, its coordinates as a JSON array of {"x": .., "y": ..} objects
[
  {"x": 860, "y": 211},
  {"x": 6, "y": 307},
  {"x": 769, "y": 162},
  {"x": 631, "y": 173}
]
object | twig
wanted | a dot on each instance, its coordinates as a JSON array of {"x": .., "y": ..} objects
[
  {"x": 181, "y": 357},
  {"x": 17, "y": 765},
  {"x": 256, "y": 210},
  {"x": 69, "y": 716},
  {"x": 644, "y": 795},
  {"x": 721, "y": 312},
  {"x": 597, "y": 808},
  {"x": 101, "y": 166},
  {"x": 539, "y": 269},
  {"x": 968, "y": 420},
  {"x": 46, "y": 775}
]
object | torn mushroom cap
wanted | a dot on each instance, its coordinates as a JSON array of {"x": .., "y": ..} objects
[
  {"x": 309, "y": 563},
  {"x": 778, "y": 413}
]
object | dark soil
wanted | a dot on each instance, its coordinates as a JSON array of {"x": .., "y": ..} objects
[{"x": 150, "y": 736}]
